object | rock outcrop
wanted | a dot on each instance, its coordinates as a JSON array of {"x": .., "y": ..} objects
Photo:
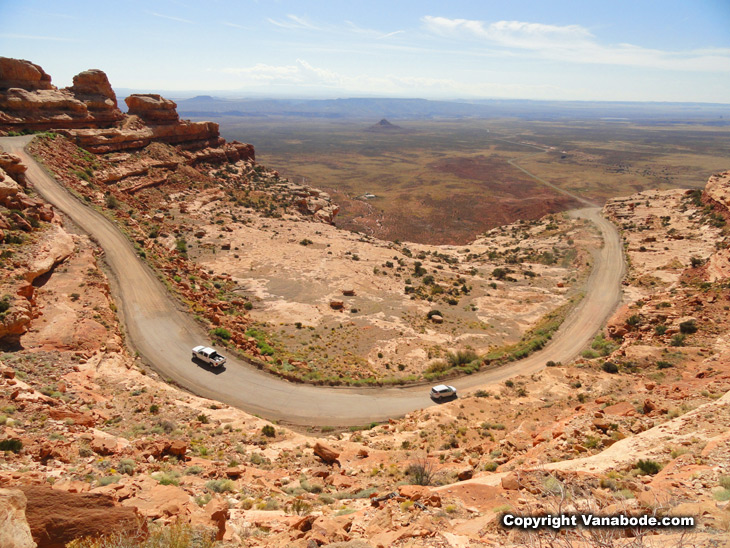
[
  {"x": 717, "y": 193},
  {"x": 87, "y": 113},
  {"x": 28, "y": 100},
  {"x": 14, "y": 529},
  {"x": 58, "y": 517},
  {"x": 19, "y": 73},
  {"x": 152, "y": 107}
]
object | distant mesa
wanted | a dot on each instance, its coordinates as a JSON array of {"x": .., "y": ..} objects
[{"x": 384, "y": 126}]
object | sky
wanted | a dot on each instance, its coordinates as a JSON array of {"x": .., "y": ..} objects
[{"x": 618, "y": 50}]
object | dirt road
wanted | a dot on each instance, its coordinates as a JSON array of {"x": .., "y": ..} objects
[{"x": 163, "y": 334}]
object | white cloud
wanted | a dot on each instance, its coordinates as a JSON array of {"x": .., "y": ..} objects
[
  {"x": 574, "y": 43},
  {"x": 169, "y": 17},
  {"x": 33, "y": 37},
  {"x": 294, "y": 22},
  {"x": 304, "y": 75}
]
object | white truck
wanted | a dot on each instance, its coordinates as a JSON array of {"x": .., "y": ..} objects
[{"x": 208, "y": 355}]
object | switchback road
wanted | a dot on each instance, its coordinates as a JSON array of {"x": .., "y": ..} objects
[{"x": 164, "y": 334}]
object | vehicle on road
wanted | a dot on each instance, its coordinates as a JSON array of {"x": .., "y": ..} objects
[
  {"x": 442, "y": 391},
  {"x": 208, "y": 355}
]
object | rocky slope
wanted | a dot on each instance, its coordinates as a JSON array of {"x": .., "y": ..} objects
[{"x": 86, "y": 419}]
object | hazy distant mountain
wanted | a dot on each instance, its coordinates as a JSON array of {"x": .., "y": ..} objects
[
  {"x": 206, "y": 106},
  {"x": 384, "y": 126}
]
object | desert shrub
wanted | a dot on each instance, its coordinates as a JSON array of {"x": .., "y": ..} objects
[
  {"x": 648, "y": 467},
  {"x": 461, "y": 357},
  {"x": 220, "y": 485},
  {"x": 634, "y": 320},
  {"x": 221, "y": 333},
  {"x": 660, "y": 329},
  {"x": 432, "y": 313},
  {"x": 602, "y": 345},
  {"x": 12, "y": 445},
  {"x": 154, "y": 408},
  {"x": 174, "y": 535},
  {"x": 436, "y": 367},
  {"x": 305, "y": 242},
  {"x": 300, "y": 507},
  {"x": 491, "y": 466},
  {"x": 268, "y": 431},
  {"x": 108, "y": 480},
  {"x": 688, "y": 327},
  {"x": 610, "y": 367},
  {"x": 678, "y": 340},
  {"x": 167, "y": 478},
  {"x": 663, "y": 365},
  {"x": 4, "y": 304},
  {"x": 421, "y": 472},
  {"x": 126, "y": 466},
  {"x": 181, "y": 245},
  {"x": 550, "y": 363},
  {"x": 111, "y": 201}
]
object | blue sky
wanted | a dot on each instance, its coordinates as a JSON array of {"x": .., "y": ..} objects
[{"x": 567, "y": 50}]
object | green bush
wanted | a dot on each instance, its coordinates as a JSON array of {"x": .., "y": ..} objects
[
  {"x": 648, "y": 467},
  {"x": 610, "y": 367},
  {"x": 110, "y": 200},
  {"x": 181, "y": 245},
  {"x": 688, "y": 327},
  {"x": 220, "y": 486},
  {"x": 221, "y": 333},
  {"x": 461, "y": 357},
  {"x": 12, "y": 445},
  {"x": 268, "y": 431},
  {"x": 126, "y": 466},
  {"x": 108, "y": 480},
  {"x": 678, "y": 340}
]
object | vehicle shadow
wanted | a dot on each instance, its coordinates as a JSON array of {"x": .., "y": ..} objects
[
  {"x": 208, "y": 367},
  {"x": 444, "y": 400}
]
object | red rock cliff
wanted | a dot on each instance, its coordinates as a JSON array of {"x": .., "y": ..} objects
[{"x": 87, "y": 113}]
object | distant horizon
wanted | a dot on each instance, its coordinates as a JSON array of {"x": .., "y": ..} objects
[
  {"x": 564, "y": 50},
  {"x": 243, "y": 96}
]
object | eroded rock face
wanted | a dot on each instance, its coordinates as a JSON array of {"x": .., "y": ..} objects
[
  {"x": 14, "y": 529},
  {"x": 93, "y": 88},
  {"x": 87, "y": 113},
  {"x": 717, "y": 193},
  {"x": 152, "y": 107},
  {"x": 58, "y": 517},
  {"x": 19, "y": 73},
  {"x": 28, "y": 100}
]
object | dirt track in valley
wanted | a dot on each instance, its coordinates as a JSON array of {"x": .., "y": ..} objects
[{"x": 163, "y": 333}]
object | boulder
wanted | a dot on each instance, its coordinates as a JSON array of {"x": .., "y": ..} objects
[
  {"x": 511, "y": 482},
  {"x": 327, "y": 454},
  {"x": 14, "y": 529},
  {"x": 465, "y": 474},
  {"x": 160, "y": 501},
  {"x": 58, "y": 517},
  {"x": 621, "y": 409}
]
